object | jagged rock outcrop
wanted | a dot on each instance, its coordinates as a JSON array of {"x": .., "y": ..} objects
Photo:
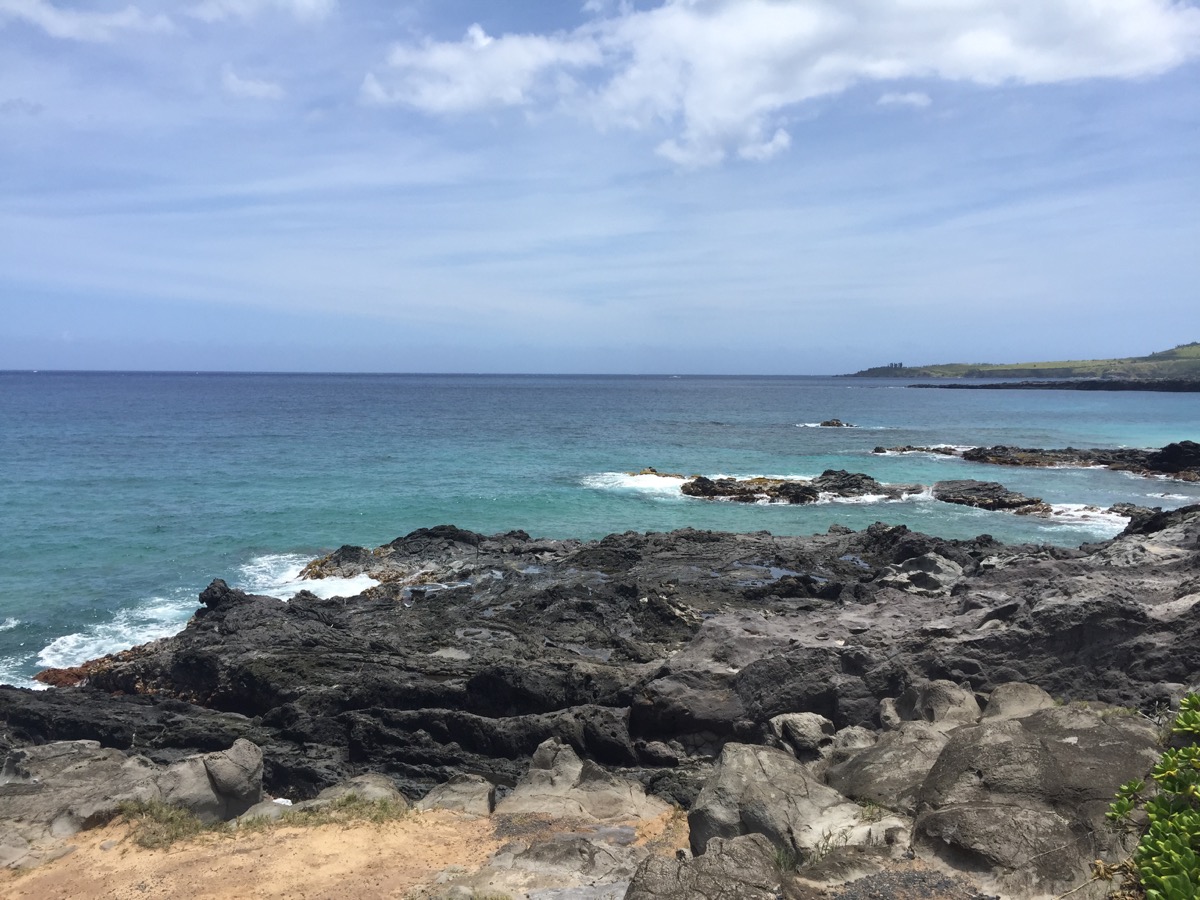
[
  {"x": 830, "y": 483},
  {"x": 640, "y": 651},
  {"x": 646, "y": 656}
]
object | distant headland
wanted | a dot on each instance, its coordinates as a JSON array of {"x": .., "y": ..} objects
[{"x": 1180, "y": 364}]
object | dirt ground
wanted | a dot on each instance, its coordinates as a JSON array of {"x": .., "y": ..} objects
[{"x": 330, "y": 862}]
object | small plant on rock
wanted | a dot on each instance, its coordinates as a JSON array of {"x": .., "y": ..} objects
[{"x": 1166, "y": 863}]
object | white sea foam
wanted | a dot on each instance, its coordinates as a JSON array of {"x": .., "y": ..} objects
[
  {"x": 825, "y": 497},
  {"x": 1100, "y": 520},
  {"x": 9, "y": 624},
  {"x": 158, "y": 618},
  {"x": 278, "y": 575},
  {"x": 1168, "y": 496},
  {"x": 662, "y": 485},
  {"x": 855, "y": 427},
  {"x": 959, "y": 450},
  {"x": 11, "y": 669}
]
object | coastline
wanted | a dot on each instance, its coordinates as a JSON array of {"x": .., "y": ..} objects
[
  {"x": 665, "y": 661},
  {"x": 1164, "y": 385}
]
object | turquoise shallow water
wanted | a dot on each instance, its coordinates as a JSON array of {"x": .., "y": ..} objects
[{"x": 123, "y": 495}]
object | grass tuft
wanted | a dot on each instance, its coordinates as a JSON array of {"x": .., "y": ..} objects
[{"x": 158, "y": 825}]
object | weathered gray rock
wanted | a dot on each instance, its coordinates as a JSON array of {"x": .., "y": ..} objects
[
  {"x": 370, "y": 786},
  {"x": 891, "y": 771},
  {"x": 471, "y": 794},
  {"x": 216, "y": 786},
  {"x": 1024, "y": 799},
  {"x": 942, "y": 704},
  {"x": 928, "y": 574},
  {"x": 739, "y": 868},
  {"x": 848, "y": 742},
  {"x": 1016, "y": 700},
  {"x": 762, "y": 790},
  {"x": 265, "y": 809},
  {"x": 559, "y": 784},
  {"x": 802, "y": 734},
  {"x": 50, "y": 792}
]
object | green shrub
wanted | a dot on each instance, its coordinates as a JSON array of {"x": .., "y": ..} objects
[{"x": 1166, "y": 862}]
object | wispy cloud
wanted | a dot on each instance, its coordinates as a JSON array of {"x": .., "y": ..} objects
[
  {"x": 218, "y": 10},
  {"x": 80, "y": 25},
  {"x": 724, "y": 74},
  {"x": 249, "y": 88},
  {"x": 911, "y": 98}
]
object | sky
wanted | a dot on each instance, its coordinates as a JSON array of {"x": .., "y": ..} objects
[{"x": 655, "y": 186}]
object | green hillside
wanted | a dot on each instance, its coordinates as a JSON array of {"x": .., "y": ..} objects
[{"x": 1180, "y": 362}]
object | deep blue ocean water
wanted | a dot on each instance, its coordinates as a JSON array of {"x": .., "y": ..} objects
[{"x": 123, "y": 495}]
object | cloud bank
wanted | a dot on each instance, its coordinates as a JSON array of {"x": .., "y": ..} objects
[
  {"x": 724, "y": 76},
  {"x": 80, "y": 25}
]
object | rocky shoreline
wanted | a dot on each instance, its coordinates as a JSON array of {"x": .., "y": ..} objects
[
  {"x": 1168, "y": 385},
  {"x": 1180, "y": 460},
  {"x": 840, "y": 701}
]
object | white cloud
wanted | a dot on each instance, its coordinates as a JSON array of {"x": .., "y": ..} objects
[
  {"x": 722, "y": 74},
  {"x": 76, "y": 25},
  {"x": 217, "y": 10},
  {"x": 911, "y": 98},
  {"x": 480, "y": 70},
  {"x": 249, "y": 88}
]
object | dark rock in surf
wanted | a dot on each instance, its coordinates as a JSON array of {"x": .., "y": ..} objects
[{"x": 990, "y": 495}]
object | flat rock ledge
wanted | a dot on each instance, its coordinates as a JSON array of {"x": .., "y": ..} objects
[{"x": 857, "y": 705}]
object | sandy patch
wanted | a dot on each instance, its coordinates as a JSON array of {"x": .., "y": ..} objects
[{"x": 331, "y": 862}]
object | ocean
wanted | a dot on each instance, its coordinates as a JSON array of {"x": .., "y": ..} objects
[{"x": 123, "y": 494}]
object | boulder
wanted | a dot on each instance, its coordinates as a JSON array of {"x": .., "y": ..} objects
[
  {"x": 802, "y": 734},
  {"x": 1016, "y": 700},
  {"x": 739, "y": 868},
  {"x": 471, "y": 794},
  {"x": 762, "y": 790},
  {"x": 942, "y": 704},
  {"x": 217, "y": 786},
  {"x": 1024, "y": 799},
  {"x": 891, "y": 772},
  {"x": 371, "y": 787}
]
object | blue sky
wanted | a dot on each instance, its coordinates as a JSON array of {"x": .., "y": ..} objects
[{"x": 707, "y": 186}]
